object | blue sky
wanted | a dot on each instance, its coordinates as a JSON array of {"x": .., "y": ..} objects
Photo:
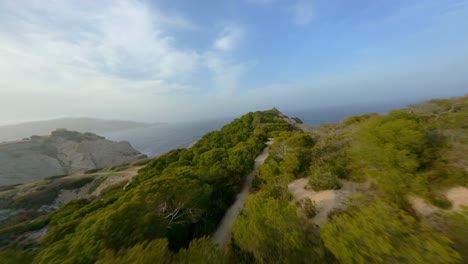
[{"x": 180, "y": 60}]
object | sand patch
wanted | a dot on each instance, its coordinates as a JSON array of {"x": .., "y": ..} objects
[
  {"x": 326, "y": 200},
  {"x": 458, "y": 196},
  {"x": 421, "y": 207}
]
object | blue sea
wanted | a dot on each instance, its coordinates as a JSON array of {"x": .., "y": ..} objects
[
  {"x": 318, "y": 116},
  {"x": 157, "y": 140}
]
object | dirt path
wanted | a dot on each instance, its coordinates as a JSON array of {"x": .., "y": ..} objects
[{"x": 222, "y": 235}]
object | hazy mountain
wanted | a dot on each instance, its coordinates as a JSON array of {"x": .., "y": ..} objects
[{"x": 80, "y": 124}]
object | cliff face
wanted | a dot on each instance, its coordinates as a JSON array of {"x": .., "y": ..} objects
[{"x": 61, "y": 152}]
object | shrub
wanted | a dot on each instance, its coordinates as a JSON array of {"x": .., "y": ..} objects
[
  {"x": 323, "y": 180},
  {"x": 298, "y": 120},
  {"x": 14, "y": 256},
  {"x": 309, "y": 207},
  {"x": 382, "y": 233},
  {"x": 440, "y": 201}
]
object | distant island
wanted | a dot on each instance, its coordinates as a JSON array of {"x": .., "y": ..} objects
[{"x": 80, "y": 124}]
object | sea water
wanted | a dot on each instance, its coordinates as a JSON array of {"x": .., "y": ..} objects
[
  {"x": 160, "y": 139},
  {"x": 156, "y": 140}
]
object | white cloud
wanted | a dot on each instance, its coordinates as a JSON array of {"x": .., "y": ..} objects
[
  {"x": 229, "y": 38},
  {"x": 110, "y": 59},
  {"x": 226, "y": 76},
  {"x": 303, "y": 12},
  {"x": 122, "y": 38}
]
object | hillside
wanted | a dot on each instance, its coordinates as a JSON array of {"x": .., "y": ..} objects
[
  {"x": 80, "y": 124},
  {"x": 370, "y": 189},
  {"x": 62, "y": 152}
]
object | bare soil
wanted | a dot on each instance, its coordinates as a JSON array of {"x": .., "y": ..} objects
[{"x": 326, "y": 200}]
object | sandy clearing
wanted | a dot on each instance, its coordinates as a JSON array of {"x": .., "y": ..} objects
[
  {"x": 421, "y": 207},
  {"x": 222, "y": 234},
  {"x": 326, "y": 200},
  {"x": 458, "y": 196}
]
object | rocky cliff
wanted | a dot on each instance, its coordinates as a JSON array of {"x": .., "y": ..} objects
[{"x": 61, "y": 152}]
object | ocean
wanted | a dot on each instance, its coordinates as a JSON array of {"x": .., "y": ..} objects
[
  {"x": 318, "y": 116},
  {"x": 157, "y": 140}
]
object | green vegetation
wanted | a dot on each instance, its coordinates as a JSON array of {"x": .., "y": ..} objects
[
  {"x": 420, "y": 150},
  {"x": 14, "y": 256},
  {"x": 382, "y": 233},
  {"x": 456, "y": 224},
  {"x": 18, "y": 227},
  {"x": 269, "y": 229},
  {"x": 322, "y": 180},
  {"x": 176, "y": 198},
  {"x": 309, "y": 207},
  {"x": 289, "y": 159},
  {"x": 169, "y": 210},
  {"x": 404, "y": 151},
  {"x": 47, "y": 195},
  {"x": 298, "y": 120}
]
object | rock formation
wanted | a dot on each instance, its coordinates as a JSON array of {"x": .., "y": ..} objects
[{"x": 61, "y": 152}]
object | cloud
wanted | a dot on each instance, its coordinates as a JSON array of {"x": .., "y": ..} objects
[
  {"x": 226, "y": 73},
  {"x": 124, "y": 38},
  {"x": 110, "y": 59},
  {"x": 303, "y": 12},
  {"x": 226, "y": 76},
  {"x": 229, "y": 38}
]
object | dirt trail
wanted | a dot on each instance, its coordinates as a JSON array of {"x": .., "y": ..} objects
[{"x": 223, "y": 233}]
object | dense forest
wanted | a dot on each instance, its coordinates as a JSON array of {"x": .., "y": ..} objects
[{"x": 169, "y": 210}]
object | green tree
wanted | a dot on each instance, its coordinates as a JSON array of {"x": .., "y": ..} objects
[
  {"x": 457, "y": 230},
  {"x": 15, "y": 256},
  {"x": 269, "y": 229},
  {"x": 128, "y": 225},
  {"x": 201, "y": 250},
  {"x": 322, "y": 179},
  {"x": 309, "y": 207},
  {"x": 381, "y": 233},
  {"x": 240, "y": 160},
  {"x": 213, "y": 165},
  {"x": 156, "y": 251},
  {"x": 392, "y": 150}
]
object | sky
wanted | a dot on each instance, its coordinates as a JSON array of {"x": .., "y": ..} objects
[{"x": 184, "y": 60}]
